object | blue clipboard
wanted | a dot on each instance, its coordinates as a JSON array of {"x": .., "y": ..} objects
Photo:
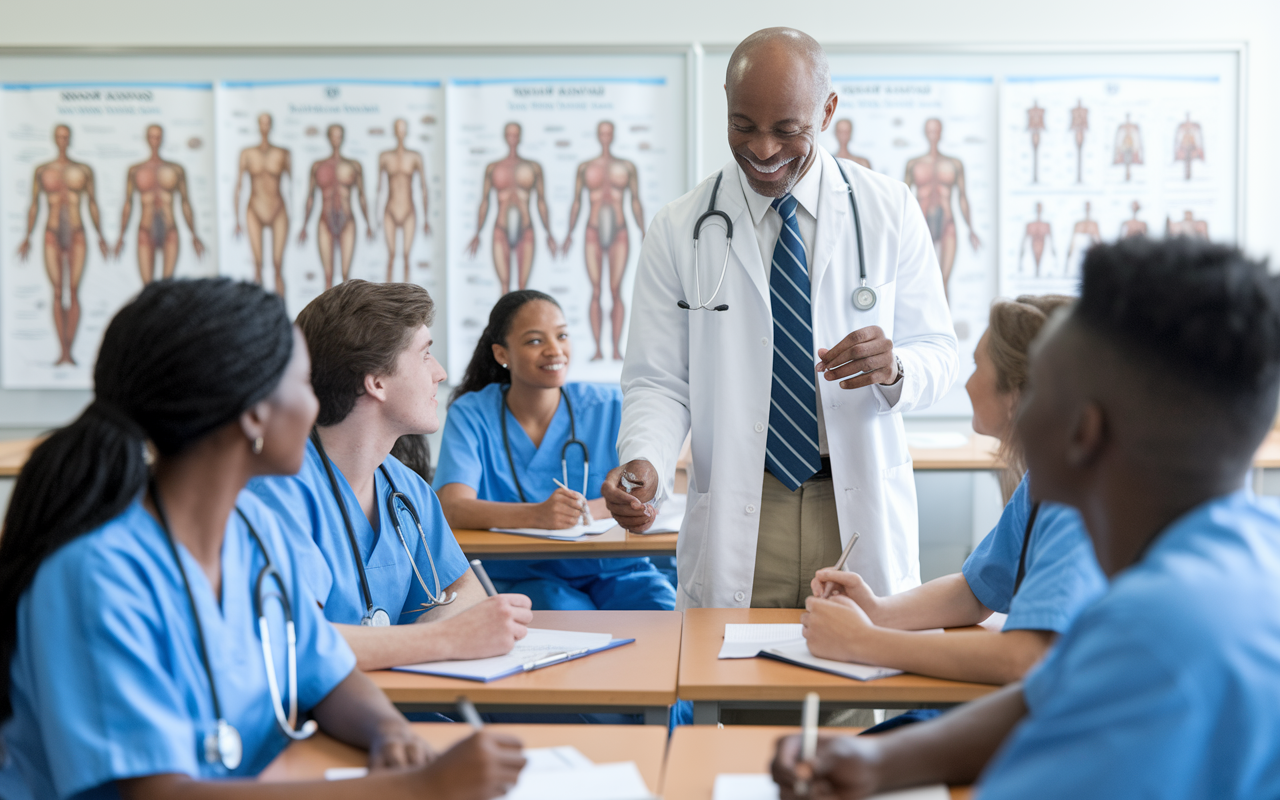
[{"x": 443, "y": 671}]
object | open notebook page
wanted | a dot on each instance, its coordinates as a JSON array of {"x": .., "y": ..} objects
[{"x": 762, "y": 787}]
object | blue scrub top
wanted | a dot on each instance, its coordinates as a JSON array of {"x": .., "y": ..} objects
[
  {"x": 1062, "y": 575},
  {"x": 472, "y": 453},
  {"x": 306, "y": 503},
  {"x": 1165, "y": 687},
  {"x": 107, "y": 676}
]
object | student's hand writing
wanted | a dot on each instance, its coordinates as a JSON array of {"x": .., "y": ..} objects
[
  {"x": 845, "y": 767},
  {"x": 489, "y": 628},
  {"x": 396, "y": 745},
  {"x": 630, "y": 508},
  {"x": 829, "y": 582},
  {"x": 836, "y": 629},
  {"x": 563, "y": 509},
  {"x": 480, "y": 767}
]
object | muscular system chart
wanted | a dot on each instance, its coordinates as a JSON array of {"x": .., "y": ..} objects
[
  {"x": 551, "y": 186},
  {"x": 110, "y": 186}
]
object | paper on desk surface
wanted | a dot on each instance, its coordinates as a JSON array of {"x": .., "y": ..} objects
[
  {"x": 797, "y": 653},
  {"x": 762, "y": 787},
  {"x": 576, "y": 532},
  {"x": 745, "y": 640},
  {"x": 619, "y": 781},
  {"x": 562, "y": 760},
  {"x": 538, "y": 644}
]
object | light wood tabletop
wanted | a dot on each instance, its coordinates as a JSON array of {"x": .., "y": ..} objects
[
  {"x": 713, "y": 684},
  {"x": 698, "y": 753},
  {"x": 615, "y": 543},
  {"x": 977, "y": 453},
  {"x": 14, "y": 454},
  {"x": 604, "y": 744},
  {"x": 634, "y": 678}
]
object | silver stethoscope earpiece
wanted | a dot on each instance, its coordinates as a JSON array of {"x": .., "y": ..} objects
[{"x": 864, "y": 297}]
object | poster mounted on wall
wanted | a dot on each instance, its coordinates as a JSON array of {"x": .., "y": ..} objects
[
  {"x": 938, "y": 135},
  {"x": 320, "y": 181},
  {"x": 109, "y": 186},
  {"x": 1094, "y": 159},
  {"x": 551, "y": 186}
]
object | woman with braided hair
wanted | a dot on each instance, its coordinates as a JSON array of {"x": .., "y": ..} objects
[{"x": 131, "y": 663}]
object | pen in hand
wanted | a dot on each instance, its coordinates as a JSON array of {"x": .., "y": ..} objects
[
  {"x": 586, "y": 510},
  {"x": 808, "y": 742},
  {"x": 469, "y": 714},
  {"x": 483, "y": 577},
  {"x": 828, "y": 586}
]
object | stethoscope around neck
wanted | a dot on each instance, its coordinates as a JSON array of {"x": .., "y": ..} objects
[
  {"x": 223, "y": 744},
  {"x": 864, "y": 297},
  {"x": 374, "y": 616},
  {"x": 564, "y": 449}
]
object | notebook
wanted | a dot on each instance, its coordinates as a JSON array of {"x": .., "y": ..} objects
[
  {"x": 541, "y": 648},
  {"x": 568, "y": 534},
  {"x": 785, "y": 642},
  {"x": 762, "y": 787}
]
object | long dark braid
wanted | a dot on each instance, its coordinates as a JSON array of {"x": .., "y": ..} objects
[
  {"x": 483, "y": 369},
  {"x": 180, "y": 361}
]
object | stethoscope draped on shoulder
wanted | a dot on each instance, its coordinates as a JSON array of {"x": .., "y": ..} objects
[
  {"x": 374, "y": 616},
  {"x": 864, "y": 297}
]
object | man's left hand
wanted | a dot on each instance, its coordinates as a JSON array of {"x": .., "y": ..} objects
[{"x": 866, "y": 351}]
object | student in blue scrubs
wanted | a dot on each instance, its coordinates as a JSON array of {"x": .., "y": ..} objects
[
  {"x": 376, "y": 379},
  {"x": 1145, "y": 408},
  {"x": 510, "y": 435},
  {"x": 132, "y": 660},
  {"x": 1036, "y": 565}
]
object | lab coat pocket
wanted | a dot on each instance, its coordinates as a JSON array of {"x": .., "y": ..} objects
[
  {"x": 691, "y": 546},
  {"x": 899, "y": 497}
]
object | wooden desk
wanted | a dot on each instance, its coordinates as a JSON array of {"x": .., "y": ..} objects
[
  {"x": 14, "y": 454},
  {"x": 713, "y": 684},
  {"x": 634, "y": 678},
  {"x": 617, "y": 543},
  {"x": 603, "y": 744},
  {"x": 700, "y": 752},
  {"x": 978, "y": 453}
]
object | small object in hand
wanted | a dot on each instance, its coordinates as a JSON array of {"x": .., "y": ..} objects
[
  {"x": 844, "y": 557},
  {"x": 808, "y": 739}
]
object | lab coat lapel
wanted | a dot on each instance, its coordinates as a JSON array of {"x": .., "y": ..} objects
[
  {"x": 833, "y": 221},
  {"x": 733, "y": 201}
]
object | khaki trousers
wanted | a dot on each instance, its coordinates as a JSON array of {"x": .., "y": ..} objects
[{"x": 799, "y": 535}]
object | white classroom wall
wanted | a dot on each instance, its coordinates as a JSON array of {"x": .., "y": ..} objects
[{"x": 316, "y": 23}]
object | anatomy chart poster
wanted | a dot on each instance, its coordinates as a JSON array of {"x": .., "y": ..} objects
[
  {"x": 106, "y": 186},
  {"x": 939, "y": 136},
  {"x": 1088, "y": 160},
  {"x": 551, "y": 187},
  {"x": 320, "y": 181}
]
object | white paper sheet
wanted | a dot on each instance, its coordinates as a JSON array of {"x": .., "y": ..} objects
[
  {"x": 538, "y": 759},
  {"x": 619, "y": 781},
  {"x": 670, "y": 516},
  {"x": 746, "y": 640},
  {"x": 797, "y": 652},
  {"x": 762, "y": 787},
  {"x": 539, "y": 644},
  {"x": 576, "y": 532}
]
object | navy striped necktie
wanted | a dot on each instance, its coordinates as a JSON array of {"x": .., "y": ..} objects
[{"x": 791, "y": 453}]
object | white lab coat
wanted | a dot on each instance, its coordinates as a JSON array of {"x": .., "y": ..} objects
[{"x": 712, "y": 370}]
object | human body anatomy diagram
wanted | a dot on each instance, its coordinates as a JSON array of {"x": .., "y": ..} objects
[
  {"x": 337, "y": 178},
  {"x": 935, "y": 178},
  {"x": 157, "y": 183},
  {"x": 266, "y": 211},
  {"x": 399, "y": 215}
]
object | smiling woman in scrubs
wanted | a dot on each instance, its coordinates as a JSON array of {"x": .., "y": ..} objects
[
  {"x": 128, "y": 621},
  {"x": 1036, "y": 565},
  {"x": 517, "y": 378}
]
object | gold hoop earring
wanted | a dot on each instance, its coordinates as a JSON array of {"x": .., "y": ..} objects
[{"x": 257, "y": 446}]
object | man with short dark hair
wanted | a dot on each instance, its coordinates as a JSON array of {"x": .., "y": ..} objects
[
  {"x": 1146, "y": 405},
  {"x": 389, "y": 557}
]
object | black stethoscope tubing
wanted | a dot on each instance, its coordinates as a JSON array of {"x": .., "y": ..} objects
[
  {"x": 371, "y": 612},
  {"x": 864, "y": 298},
  {"x": 564, "y": 449}
]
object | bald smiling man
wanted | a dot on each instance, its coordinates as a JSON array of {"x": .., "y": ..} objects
[{"x": 767, "y": 344}]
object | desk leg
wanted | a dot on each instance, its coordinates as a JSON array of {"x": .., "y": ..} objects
[
  {"x": 706, "y": 712},
  {"x": 657, "y": 715}
]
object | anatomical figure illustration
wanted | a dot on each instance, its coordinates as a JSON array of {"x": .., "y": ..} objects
[
  {"x": 1128, "y": 150},
  {"x": 934, "y": 177},
  {"x": 844, "y": 135},
  {"x": 266, "y": 165},
  {"x": 606, "y": 179},
  {"x": 1084, "y": 234},
  {"x": 65, "y": 184},
  {"x": 157, "y": 182},
  {"x": 399, "y": 166},
  {"x": 1133, "y": 226},
  {"x": 1079, "y": 126},
  {"x": 1035, "y": 125},
  {"x": 1188, "y": 226},
  {"x": 1038, "y": 233},
  {"x": 337, "y": 177},
  {"x": 1188, "y": 143},
  {"x": 515, "y": 180}
]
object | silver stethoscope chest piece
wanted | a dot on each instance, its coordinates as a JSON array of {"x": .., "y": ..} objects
[
  {"x": 223, "y": 745},
  {"x": 379, "y": 618},
  {"x": 864, "y": 298}
]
